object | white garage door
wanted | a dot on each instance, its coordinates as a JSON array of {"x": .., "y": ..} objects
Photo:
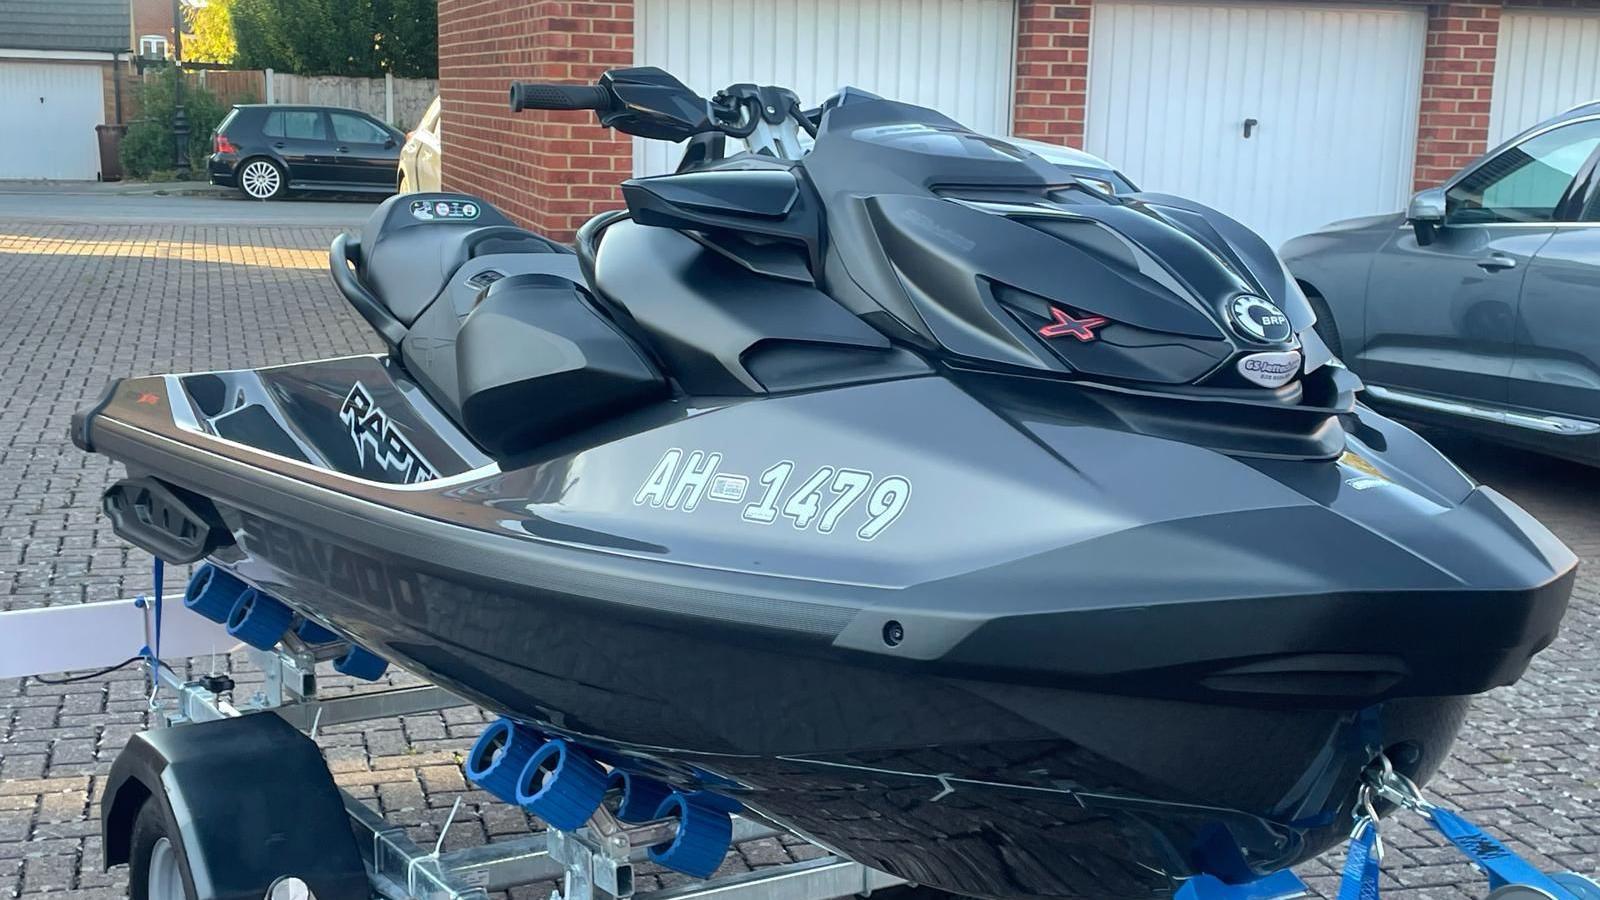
[
  {"x": 952, "y": 55},
  {"x": 1332, "y": 91},
  {"x": 49, "y": 111},
  {"x": 1546, "y": 63}
]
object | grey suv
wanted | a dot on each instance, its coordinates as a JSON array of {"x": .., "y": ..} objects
[{"x": 1480, "y": 306}]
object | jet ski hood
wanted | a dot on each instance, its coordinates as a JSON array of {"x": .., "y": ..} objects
[{"x": 1002, "y": 259}]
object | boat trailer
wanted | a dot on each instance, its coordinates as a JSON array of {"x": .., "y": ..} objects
[
  {"x": 595, "y": 862},
  {"x": 265, "y": 757},
  {"x": 287, "y": 815}
]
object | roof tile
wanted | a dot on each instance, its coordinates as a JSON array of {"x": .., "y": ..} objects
[{"x": 64, "y": 25}]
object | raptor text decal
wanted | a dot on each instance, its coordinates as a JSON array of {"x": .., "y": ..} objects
[
  {"x": 819, "y": 500},
  {"x": 371, "y": 428}
]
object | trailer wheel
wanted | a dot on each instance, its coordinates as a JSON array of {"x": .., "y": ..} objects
[{"x": 157, "y": 870}]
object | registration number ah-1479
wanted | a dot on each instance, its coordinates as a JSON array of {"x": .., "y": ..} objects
[{"x": 820, "y": 501}]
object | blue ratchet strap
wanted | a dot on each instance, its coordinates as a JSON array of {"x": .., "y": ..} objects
[
  {"x": 152, "y": 650},
  {"x": 1496, "y": 860},
  {"x": 1360, "y": 881},
  {"x": 157, "y": 575}
]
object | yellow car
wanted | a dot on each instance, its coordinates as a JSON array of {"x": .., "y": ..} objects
[{"x": 420, "y": 159}]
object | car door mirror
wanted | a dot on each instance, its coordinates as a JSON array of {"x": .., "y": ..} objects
[
  {"x": 389, "y": 144},
  {"x": 1426, "y": 213}
]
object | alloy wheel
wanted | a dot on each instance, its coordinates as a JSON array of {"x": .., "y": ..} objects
[{"x": 260, "y": 179}]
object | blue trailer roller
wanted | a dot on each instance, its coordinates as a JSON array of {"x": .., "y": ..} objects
[
  {"x": 640, "y": 796},
  {"x": 212, "y": 593},
  {"x": 314, "y": 634},
  {"x": 704, "y": 835},
  {"x": 259, "y": 620},
  {"x": 499, "y": 756},
  {"x": 359, "y": 662},
  {"x": 562, "y": 785}
]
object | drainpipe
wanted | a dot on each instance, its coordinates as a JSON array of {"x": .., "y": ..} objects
[{"x": 116, "y": 85}]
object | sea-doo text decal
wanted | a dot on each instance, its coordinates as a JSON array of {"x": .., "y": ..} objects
[
  {"x": 821, "y": 499},
  {"x": 371, "y": 427}
]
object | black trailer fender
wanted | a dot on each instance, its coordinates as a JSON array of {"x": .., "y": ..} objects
[{"x": 251, "y": 800}]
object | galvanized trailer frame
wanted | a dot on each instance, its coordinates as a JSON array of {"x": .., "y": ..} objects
[{"x": 593, "y": 863}]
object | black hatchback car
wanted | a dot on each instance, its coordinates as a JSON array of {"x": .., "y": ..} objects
[{"x": 265, "y": 150}]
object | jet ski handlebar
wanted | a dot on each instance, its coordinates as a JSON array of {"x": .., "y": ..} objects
[
  {"x": 533, "y": 95},
  {"x": 647, "y": 102}
]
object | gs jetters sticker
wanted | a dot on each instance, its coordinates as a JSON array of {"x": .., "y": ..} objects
[{"x": 1271, "y": 370}]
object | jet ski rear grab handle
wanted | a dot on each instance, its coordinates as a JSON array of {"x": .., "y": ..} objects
[{"x": 596, "y": 862}]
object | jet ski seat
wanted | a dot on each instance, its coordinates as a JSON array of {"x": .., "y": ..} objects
[
  {"x": 414, "y": 243},
  {"x": 493, "y": 321}
]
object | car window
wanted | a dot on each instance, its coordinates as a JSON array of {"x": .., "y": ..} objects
[
  {"x": 297, "y": 124},
  {"x": 349, "y": 129},
  {"x": 1526, "y": 182}
]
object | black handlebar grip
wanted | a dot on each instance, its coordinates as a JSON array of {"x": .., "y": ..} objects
[{"x": 532, "y": 95}]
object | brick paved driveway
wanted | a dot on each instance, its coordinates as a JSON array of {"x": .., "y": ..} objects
[{"x": 80, "y": 304}]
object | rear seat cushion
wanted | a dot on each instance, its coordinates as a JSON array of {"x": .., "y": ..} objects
[
  {"x": 406, "y": 260},
  {"x": 406, "y": 270}
]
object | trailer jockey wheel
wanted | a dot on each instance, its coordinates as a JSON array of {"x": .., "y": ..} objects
[{"x": 157, "y": 869}]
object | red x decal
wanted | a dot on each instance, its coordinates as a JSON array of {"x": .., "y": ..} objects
[{"x": 1082, "y": 329}]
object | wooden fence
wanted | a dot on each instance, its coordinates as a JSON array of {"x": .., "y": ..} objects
[
  {"x": 398, "y": 101},
  {"x": 230, "y": 87}
]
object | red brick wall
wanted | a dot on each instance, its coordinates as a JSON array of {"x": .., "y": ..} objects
[
  {"x": 150, "y": 17},
  {"x": 553, "y": 170},
  {"x": 1457, "y": 86},
  {"x": 550, "y": 171},
  {"x": 1052, "y": 70}
]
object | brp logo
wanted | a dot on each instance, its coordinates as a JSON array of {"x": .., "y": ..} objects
[{"x": 1259, "y": 320}]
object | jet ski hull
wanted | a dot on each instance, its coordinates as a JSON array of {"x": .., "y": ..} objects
[{"x": 1051, "y": 680}]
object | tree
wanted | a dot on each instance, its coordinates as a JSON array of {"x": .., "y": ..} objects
[
  {"x": 338, "y": 37},
  {"x": 409, "y": 41},
  {"x": 147, "y": 148},
  {"x": 258, "y": 37},
  {"x": 210, "y": 33}
]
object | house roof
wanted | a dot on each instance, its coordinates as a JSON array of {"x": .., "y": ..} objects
[{"x": 64, "y": 25}]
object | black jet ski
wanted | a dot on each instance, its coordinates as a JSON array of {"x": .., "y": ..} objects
[{"x": 1000, "y": 532}]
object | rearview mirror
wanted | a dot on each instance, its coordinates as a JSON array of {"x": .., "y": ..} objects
[{"x": 1426, "y": 213}]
